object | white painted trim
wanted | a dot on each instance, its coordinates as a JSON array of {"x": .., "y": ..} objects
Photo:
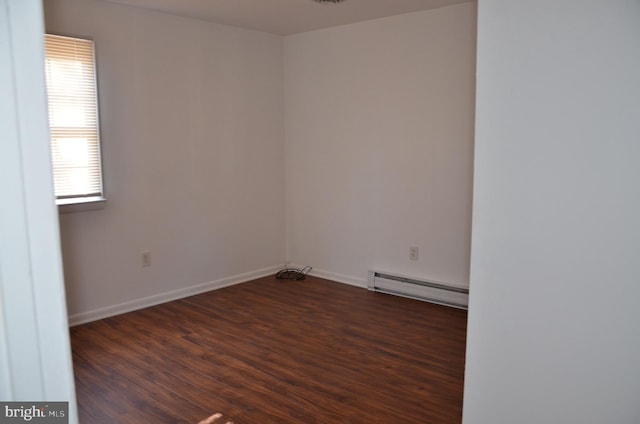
[
  {"x": 145, "y": 302},
  {"x": 35, "y": 353},
  {"x": 338, "y": 278},
  {"x": 85, "y": 204}
]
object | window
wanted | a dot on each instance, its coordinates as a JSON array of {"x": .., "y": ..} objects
[{"x": 73, "y": 119}]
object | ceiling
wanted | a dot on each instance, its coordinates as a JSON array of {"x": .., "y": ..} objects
[{"x": 286, "y": 17}]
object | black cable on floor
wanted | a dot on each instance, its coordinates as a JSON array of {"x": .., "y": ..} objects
[{"x": 293, "y": 273}]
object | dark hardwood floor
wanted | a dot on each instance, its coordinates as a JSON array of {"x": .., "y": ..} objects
[{"x": 271, "y": 351}]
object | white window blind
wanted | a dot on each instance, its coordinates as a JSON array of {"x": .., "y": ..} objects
[{"x": 73, "y": 117}]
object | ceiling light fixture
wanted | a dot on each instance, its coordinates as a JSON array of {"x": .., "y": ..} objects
[{"x": 328, "y": 1}]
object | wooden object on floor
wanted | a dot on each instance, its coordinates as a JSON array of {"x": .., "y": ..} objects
[{"x": 272, "y": 351}]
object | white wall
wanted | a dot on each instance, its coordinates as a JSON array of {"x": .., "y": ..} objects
[
  {"x": 192, "y": 142},
  {"x": 554, "y": 334},
  {"x": 379, "y": 142},
  {"x": 35, "y": 354}
]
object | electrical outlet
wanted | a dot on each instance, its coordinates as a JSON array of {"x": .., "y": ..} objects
[
  {"x": 146, "y": 258},
  {"x": 413, "y": 253}
]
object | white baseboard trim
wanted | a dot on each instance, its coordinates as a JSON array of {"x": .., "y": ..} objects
[
  {"x": 338, "y": 278},
  {"x": 156, "y": 299}
]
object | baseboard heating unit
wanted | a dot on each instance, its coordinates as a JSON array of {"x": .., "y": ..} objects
[{"x": 440, "y": 293}]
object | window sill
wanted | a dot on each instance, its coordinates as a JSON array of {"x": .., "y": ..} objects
[{"x": 80, "y": 204}]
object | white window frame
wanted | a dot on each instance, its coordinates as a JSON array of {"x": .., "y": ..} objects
[{"x": 75, "y": 202}]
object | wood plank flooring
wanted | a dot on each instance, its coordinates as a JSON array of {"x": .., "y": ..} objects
[{"x": 271, "y": 351}]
